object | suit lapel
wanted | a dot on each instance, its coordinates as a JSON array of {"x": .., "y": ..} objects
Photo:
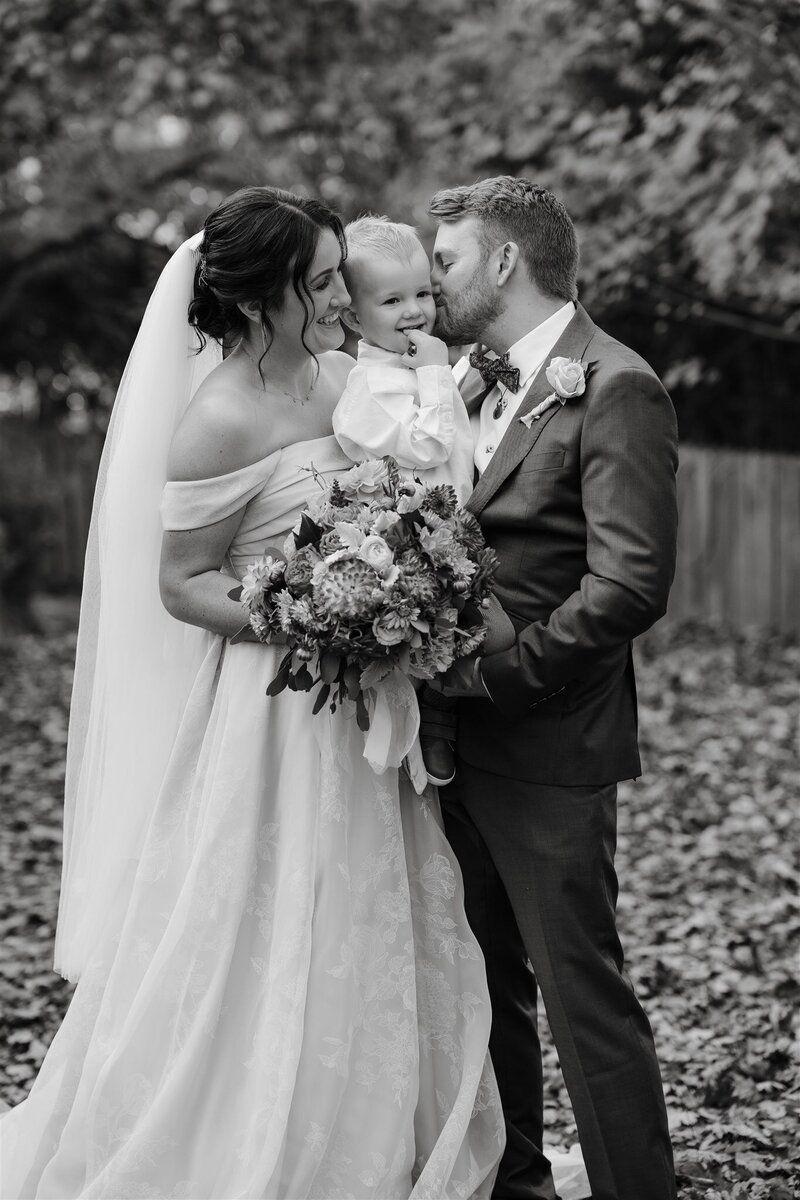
[{"x": 518, "y": 439}]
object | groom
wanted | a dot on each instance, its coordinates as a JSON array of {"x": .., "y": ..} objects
[{"x": 575, "y": 455}]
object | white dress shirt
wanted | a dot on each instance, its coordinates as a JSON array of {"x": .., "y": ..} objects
[
  {"x": 415, "y": 414},
  {"x": 529, "y": 354}
]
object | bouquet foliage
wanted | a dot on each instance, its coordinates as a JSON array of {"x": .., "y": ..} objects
[{"x": 380, "y": 572}]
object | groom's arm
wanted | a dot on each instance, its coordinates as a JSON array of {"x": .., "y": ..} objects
[{"x": 628, "y": 462}]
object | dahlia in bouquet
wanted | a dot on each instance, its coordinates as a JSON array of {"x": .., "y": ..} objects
[{"x": 382, "y": 576}]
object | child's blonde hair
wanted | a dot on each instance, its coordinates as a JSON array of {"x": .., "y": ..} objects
[{"x": 376, "y": 235}]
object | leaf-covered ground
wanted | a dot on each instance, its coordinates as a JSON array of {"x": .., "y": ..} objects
[{"x": 709, "y": 905}]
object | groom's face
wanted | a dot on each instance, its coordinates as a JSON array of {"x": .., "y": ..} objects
[{"x": 467, "y": 299}]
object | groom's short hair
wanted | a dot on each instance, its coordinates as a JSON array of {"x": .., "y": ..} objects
[{"x": 511, "y": 209}]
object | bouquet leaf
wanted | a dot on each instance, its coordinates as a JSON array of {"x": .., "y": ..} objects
[
  {"x": 303, "y": 679},
  {"x": 374, "y": 673},
  {"x": 283, "y": 677},
  {"x": 362, "y": 716},
  {"x": 351, "y": 680},
  {"x": 330, "y": 664},
  {"x": 310, "y": 532}
]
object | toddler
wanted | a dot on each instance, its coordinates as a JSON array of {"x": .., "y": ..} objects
[{"x": 401, "y": 399}]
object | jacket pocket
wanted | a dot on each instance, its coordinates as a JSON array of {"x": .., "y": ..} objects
[{"x": 542, "y": 460}]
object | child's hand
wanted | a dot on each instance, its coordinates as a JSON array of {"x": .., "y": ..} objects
[{"x": 424, "y": 351}]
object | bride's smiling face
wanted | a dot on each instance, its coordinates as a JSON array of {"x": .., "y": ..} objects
[{"x": 326, "y": 296}]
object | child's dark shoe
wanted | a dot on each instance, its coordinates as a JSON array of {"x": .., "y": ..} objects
[{"x": 439, "y": 759}]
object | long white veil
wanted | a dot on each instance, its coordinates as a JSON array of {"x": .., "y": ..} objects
[{"x": 135, "y": 664}]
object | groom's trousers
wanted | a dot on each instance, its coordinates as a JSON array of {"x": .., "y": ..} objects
[{"x": 540, "y": 887}]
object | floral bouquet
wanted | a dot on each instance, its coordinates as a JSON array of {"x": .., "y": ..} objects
[{"x": 381, "y": 576}]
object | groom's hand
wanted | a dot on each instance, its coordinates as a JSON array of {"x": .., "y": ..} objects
[{"x": 462, "y": 679}]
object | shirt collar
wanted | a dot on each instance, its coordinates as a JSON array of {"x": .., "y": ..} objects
[
  {"x": 530, "y": 351},
  {"x": 377, "y": 354}
]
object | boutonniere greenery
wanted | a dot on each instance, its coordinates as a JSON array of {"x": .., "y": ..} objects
[{"x": 567, "y": 377}]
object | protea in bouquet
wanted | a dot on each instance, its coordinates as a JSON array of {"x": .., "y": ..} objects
[{"x": 382, "y": 575}]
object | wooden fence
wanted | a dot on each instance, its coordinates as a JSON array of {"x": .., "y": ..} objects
[
  {"x": 739, "y": 544},
  {"x": 739, "y": 541}
]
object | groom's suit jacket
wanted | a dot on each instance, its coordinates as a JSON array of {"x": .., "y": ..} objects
[{"x": 581, "y": 509}]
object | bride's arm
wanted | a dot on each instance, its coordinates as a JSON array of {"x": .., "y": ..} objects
[
  {"x": 215, "y": 439},
  {"x": 193, "y": 589}
]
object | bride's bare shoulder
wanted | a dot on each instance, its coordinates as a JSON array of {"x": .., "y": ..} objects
[{"x": 216, "y": 434}]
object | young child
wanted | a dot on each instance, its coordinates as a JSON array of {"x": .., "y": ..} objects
[{"x": 401, "y": 399}]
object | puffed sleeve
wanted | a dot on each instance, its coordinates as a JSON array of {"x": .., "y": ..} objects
[
  {"x": 398, "y": 411},
  {"x": 195, "y": 503}
]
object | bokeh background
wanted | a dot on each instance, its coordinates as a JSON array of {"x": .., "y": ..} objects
[{"x": 671, "y": 129}]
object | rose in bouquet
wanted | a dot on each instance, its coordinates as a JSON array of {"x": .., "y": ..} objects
[{"x": 381, "y": 572}]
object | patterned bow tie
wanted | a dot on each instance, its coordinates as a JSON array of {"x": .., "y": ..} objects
[{"x": 494, "y": 370}]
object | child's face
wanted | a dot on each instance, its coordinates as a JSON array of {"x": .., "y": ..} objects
[{"x": 391, "y": 295}]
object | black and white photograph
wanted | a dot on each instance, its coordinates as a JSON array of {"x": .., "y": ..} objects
[{"x": 399, "y": 600}]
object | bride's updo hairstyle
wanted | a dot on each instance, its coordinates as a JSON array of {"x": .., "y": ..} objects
[{"x": 254, "y": 245}]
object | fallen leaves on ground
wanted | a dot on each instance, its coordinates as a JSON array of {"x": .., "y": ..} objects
[
  {"x": 34, "y": 702},
  {"x": 709, "y": 907},
  {"x": 709, "y": 911}
]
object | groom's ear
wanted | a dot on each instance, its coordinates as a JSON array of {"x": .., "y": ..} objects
[
  {"x": 507, "y": 259},
  {"x": 350, "y": 318}
]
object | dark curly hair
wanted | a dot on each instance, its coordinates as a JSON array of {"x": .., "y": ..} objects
[{"x": 254, "y": 244}]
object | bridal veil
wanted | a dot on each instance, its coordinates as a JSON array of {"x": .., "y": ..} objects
[{"x": 135, "y": 664}]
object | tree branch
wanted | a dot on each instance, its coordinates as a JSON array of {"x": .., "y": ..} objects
[{"x": 718, "y": 314}]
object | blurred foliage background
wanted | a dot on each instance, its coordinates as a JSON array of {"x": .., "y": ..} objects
[{"x": 670, "y": 129}]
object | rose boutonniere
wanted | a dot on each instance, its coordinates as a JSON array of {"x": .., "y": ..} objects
[{"x": 567, "y": 377}]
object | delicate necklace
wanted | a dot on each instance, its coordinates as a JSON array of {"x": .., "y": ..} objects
[{"x": 295, "y": 399}]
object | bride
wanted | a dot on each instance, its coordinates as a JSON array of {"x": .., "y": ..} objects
[{"x": 278, "y": 993}]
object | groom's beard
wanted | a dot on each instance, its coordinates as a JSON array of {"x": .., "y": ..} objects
[{"x": 464, "y": 318}]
